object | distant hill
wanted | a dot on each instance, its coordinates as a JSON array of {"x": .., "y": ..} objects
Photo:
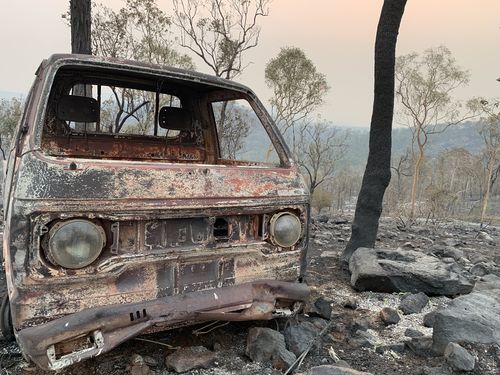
[{"x": 465, "y": 136}]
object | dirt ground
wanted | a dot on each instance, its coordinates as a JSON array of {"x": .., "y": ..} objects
[{"x": 328, "y": 240}]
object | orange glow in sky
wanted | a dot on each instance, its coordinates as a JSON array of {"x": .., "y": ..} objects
[{"x": 338, "y": 35}]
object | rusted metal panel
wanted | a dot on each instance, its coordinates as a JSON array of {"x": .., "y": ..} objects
[{"x": 114, "y": 324}]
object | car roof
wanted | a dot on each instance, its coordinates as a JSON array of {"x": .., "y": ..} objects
[{"x": 146, "y": 68}]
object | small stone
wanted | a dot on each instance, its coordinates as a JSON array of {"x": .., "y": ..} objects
[
  {"x": 189, "y": 358},
  {"x": 334, "y": 370},
  {"x": 351, "y": 303},
  {"x": 410, "y": 332},
  {"x": 389, "y": 316},
  {"x": 137, "y": 366},
  {"x": 299, "y": 336},
  {"x": 429, "y": 319},
  {"x": 459, "y": 358},
  {"x": 421, "y": 346},
  {"x": 322, "y": 308},
  {"x": 486, "y": 237},
  {"x": 479, "y": 269},
  {"x": 409, "y": 245},
  {"x": 397, "y": 348},
  {"x": 414, "y": 303},
  {"x": 265, "y": 344}
]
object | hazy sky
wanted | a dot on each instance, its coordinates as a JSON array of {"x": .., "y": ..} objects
[{"x": 338, "y": 35}]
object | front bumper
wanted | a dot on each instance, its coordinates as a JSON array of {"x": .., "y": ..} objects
[{"x": 103, "y": 328}]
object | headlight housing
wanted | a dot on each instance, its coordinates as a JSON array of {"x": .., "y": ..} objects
[
  {"x": 75, "y": 243},
  {"x": 285, "y": 229}
]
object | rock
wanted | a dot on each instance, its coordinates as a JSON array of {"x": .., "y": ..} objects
[
  {"x": 479, "y": 269},
  {"x": 414, "y": 303},
  {"x": 362, "y": 339},
  {"x": 433, "y": 371},
  {"x": 322, "y": 219},
  {"x": 189, "y": 358},
  {"x": 447, "y": 252},
  {"x": 459, "y": 358},
  {"x": 351, "y": 303},
  {"x": 473, "y": 318},
  {"x": 410, "y": 332},
  {"x": 342, "y": 363},
  {"x": 402, "y": 270},
  {"x": 487, "y": 282},
  {"x": 429, "y": 319},
  {"x": 451, "y": 242},
  {"x": 421, "y": 346},
  {"x": 322, "y": 308},
  {"x": 486, "y": 237},
  {"x": 334, "y": 370},
  {"x": 299, "y": 336},
  {"x": 397, "y": 348},
  {"x": 409, "y": 245},
  {"x": 265, "y": 344},
  {"x": 389, "y": 316},
  {"x": 137, "y": 366}
]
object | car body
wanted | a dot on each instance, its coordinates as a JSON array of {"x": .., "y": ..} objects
[{"x": 127, "y": 210}]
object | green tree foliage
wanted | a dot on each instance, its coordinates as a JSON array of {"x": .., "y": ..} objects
[
  {"x": 298, "y": 88},
  {"x": 10, "y": 113},
  {"x": 424, "y": 84},
  {"x": 489, "y": 129}
]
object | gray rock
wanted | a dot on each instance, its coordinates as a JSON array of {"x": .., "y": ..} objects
[
  {"x": 362, "y": 339},
  {"x": 421, "y": 346},
  {"x": 137, "y": 366},
  {"x": 486, "y": 237},
  {"x": 487, "y": 282},
  {"x": 459, "y": 358},
  {"x": 410, "y": 332},
  {"x": 189, "y": 358},
  {"x": 397, "y": 348},
  {"x": 299, "y": 336},
  {"x": 414, "y": 303},
  {"x": 389, "y": 316},
  {"x": 429, "y": 319},
  {"x": 402, "y": 270},
  {"x": 447, "y": 252},
  {"x": 351, "y": 303},
  {"x": 322, "y": 308},
  {"x": 479, "y": 269},
  {"x": 473, "y": 318},
  {"x": 265, "y": 344},
  {"x": 334, "y": 370}
]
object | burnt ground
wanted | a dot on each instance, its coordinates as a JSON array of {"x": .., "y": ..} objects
[{"x": 328, "y": 240}]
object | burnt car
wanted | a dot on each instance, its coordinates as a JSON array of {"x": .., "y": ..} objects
[{"x": 140, "y": 198}]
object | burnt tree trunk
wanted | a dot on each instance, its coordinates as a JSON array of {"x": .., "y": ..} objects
[
  {"x": 80, "y": 26},
  {"x": 378, "y": 167},
  {"x": 81, "y": 43}
]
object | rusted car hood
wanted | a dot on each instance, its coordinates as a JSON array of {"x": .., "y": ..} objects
[{"x": 114, "y": 180}]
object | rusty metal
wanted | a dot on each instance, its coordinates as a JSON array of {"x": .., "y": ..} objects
[
  {"x": 187, "y": 232},
  {"x": 114, "y": 324}
]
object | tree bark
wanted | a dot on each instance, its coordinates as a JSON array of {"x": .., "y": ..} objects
[
  {"x": 81, "y": 42},
  {"x": 80, "y": 26},
  {"x": 378, "y": 168}
]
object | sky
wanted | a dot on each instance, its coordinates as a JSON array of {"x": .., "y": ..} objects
[{"x": 337, "y": 35}]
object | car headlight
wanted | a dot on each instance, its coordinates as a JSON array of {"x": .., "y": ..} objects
[
  {"x": 75, "y": 243},
  {"x": 285, "y": 229}
]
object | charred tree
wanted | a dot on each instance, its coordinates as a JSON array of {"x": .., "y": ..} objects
[
  {"x": 80, "y": 15},
  {"x": 378, "y": 167},
  {"x": 80, "y": 26}
]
